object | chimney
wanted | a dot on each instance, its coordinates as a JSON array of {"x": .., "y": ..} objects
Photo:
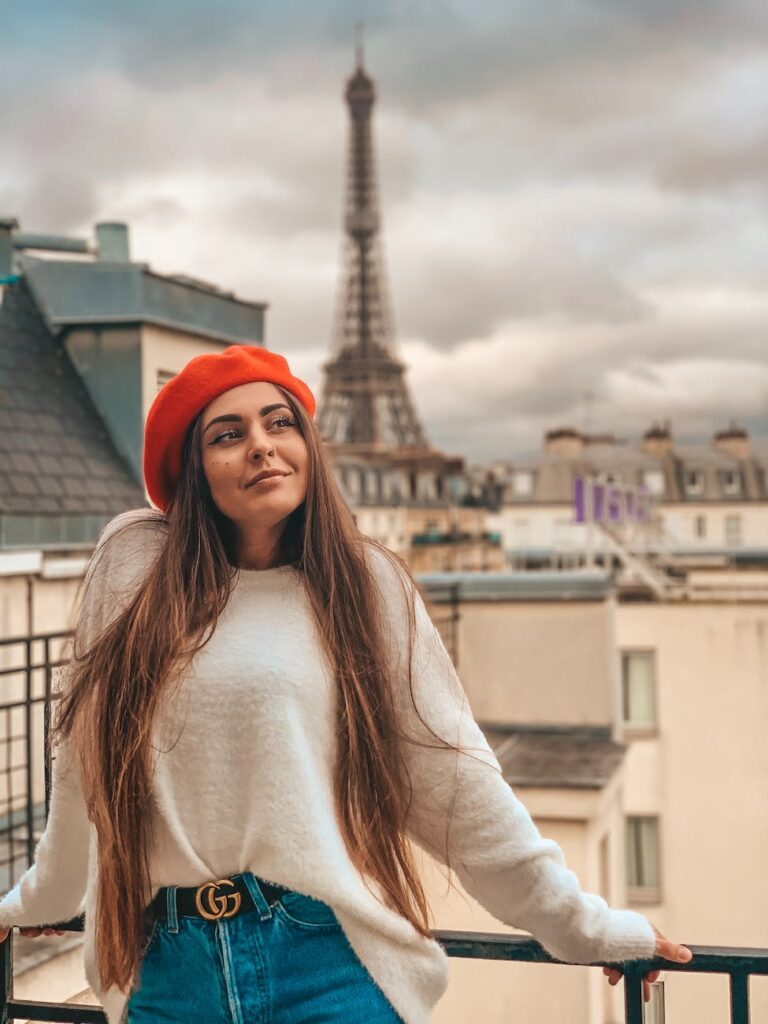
[
  {"x": 564, "y": 441},
  {"x": 657, "y": 441},
  {"x": 7, "y": 226},
  {"x": 112, "y": 242},
  {"x": 733, "y": 441}
]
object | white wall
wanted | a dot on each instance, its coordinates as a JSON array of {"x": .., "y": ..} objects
[{"x": 706, "y": 775}]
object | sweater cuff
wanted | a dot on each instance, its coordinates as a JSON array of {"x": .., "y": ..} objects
[
  {"x": 629, "y": 937},
  {"x": 10, "y": 907}
]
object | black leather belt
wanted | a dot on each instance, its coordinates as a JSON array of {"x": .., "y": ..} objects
[{"x": 224, "y": 898}]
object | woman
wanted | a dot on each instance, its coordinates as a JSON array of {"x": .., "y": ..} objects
[{"x": 259, "y": 716}]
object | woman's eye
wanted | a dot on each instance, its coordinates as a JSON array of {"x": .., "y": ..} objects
[
  {"x": 284, "y": 421},
  {"x": 223, "y": 434}
]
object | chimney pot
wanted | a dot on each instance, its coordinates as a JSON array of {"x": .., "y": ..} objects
[
  {"x": 657, "y": 441},
  {"x": 564, "y": 441},
  {"x": 7, "y": 226},
  {"x": 733, "y": 441},
  {"x": 112, "y": 241}
]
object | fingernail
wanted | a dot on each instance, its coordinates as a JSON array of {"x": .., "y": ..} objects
[{"x": 685, "y": 953}]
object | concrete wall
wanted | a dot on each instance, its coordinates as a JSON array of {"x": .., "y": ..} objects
[
  {"x": 705, "y": 773},
  {"x": 680, "y": 521},
  {"x": 539, "y": 662}
]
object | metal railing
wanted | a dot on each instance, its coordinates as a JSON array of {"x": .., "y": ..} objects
[
  {"x": 445, "y": 610},
  {"x": 27, "y": 666},
  {"x": 737, "y": 964}
]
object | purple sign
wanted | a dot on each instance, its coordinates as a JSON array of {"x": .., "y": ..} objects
[{"x": 594, "y": 502}]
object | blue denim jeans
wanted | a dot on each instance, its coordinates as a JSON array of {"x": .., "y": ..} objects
[{"x": 289, "y": 963}]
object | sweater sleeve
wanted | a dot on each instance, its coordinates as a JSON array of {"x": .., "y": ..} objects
[
  {"x": 495, "y": 849},
  {"x": 52, "y": 890}
]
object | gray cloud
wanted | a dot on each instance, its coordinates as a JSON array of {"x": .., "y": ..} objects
[
  {"x": 453, "y": 297},
  {"x": 573, "y": 194}
]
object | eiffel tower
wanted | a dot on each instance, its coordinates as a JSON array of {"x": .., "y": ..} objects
[{"x": 365, "y": 407}]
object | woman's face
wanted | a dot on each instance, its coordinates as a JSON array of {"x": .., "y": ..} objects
[{"x": 258, "y": 433}]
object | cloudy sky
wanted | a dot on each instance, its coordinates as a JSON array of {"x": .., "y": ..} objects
[{"x": 574, "y": 193}]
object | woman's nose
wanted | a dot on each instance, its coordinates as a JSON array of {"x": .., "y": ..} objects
[{"x": 260, "y": 445}]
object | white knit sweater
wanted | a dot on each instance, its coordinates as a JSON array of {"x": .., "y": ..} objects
[{"x": 243, "y": 783}]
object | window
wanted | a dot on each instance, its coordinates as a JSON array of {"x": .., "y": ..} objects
[
  {"x": 731, "y": 481},
  {"x": 732, "y": 531},
  {"x": 352, "y": 481},
  {"x": 700, "y": 527},
  {"x": 638, "y": 689},
  {"x": 522, "y": 483},
  {"x": 163, "y": 376},
  {"x": 653, "y": 479},
  {"x": 694, "y": 481},
  {"x": 643, "y": 860}
]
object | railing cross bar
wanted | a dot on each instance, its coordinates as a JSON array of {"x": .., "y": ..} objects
[{"x": 72, "y": 1013}]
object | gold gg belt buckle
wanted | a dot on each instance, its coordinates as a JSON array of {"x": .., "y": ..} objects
[{"x": 213, "y": 905}]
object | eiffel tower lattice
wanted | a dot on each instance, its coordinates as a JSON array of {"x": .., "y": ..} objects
[{"x": 365, "y": 405}]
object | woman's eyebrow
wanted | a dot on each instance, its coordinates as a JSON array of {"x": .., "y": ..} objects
[{"x": 233, "y": 417}]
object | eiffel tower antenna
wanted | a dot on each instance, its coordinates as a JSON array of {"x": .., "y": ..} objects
[
  {"x": 359, "y": 51},
  {"x": 365, "y": 403}
]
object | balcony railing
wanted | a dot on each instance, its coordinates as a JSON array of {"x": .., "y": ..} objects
[
  {"x": 736, "y": 964},
  {"x": 27, "y": 666},
  {"x": 25, "y": 719}
]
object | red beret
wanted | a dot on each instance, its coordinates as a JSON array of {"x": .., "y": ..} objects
[{"x": 180, "y": 400}]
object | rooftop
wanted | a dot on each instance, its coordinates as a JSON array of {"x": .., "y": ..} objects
[
  {"x": 543, "y": 585},
  {"x": 566, "y": 757},
  {"x": 76, "y": 293},
  {"x": 55, "y": 453}
]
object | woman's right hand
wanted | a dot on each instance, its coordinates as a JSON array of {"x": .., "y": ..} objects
[
  {"x": 33, "y": 932},
  {"x": 664, "y": 948}
]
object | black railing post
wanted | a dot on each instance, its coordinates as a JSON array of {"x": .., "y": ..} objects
[
  {"x": 6, "y": 974},
  {"x": 455, "y": 616},
  {"x": 633, "y": 995},
  {"x": 28, "y": 738},
  {"x": 739, "y": 998},
  {"x": 46, "y": 735}
]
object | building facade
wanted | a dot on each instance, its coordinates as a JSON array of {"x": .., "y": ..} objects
[
  {"x": 634, "y": 731},
  {"x": 711, "y": 501}
]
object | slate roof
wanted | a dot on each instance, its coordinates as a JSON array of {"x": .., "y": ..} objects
[
  {"x": 554, "y": 473},
  {"x": 56, "y": 456},
  {"x": 571, "y": 757}
]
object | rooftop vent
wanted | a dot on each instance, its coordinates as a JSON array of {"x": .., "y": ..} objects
[{"x": 112, "y": 242}]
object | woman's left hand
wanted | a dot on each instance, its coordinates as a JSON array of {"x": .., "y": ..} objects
[{"x": 669, "y": 950}]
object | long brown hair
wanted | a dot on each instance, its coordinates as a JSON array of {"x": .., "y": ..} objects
[{"x": 114, "y": 688}]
